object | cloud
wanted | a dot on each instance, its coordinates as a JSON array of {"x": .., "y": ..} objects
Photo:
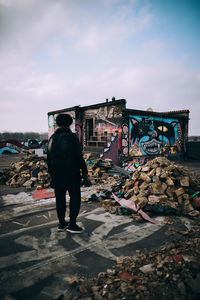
[
  {"x": 57, "y": 54},
  {"x": 122, "y": 24},
  {"x": 158, "y": 87}
]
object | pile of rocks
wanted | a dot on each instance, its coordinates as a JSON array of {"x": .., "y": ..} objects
[
  {"x": 100, "y": 171},
  {"x": 171, "y": 272},
  {"x": 159, "y": 186},
  {"x": 30, "y": 171}
]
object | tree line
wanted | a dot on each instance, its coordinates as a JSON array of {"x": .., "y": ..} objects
[{"x": 22, "y": 136}]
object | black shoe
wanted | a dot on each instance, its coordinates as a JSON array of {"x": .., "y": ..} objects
[
  {"x": 63, "y": 227},
  {"x": 74, "y": 229}
]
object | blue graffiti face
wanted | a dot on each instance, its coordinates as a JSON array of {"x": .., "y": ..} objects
[{"x": 150, "y": 134}]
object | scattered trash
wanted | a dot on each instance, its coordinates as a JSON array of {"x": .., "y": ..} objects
[
  {"x": 196, "y": 200},
  {"x": 147, "y": 268},
  {"x": 126, "y": 276},
  {"x": 135, "y": 207},
  {"x": 170, "y": 272}
]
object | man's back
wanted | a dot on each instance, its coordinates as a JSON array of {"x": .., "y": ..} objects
[
  {"x": 64, "y": 155},
  {"x": 61, "y": 148}
]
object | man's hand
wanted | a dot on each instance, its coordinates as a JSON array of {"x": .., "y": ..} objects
[{"x": 86, "y": 181}]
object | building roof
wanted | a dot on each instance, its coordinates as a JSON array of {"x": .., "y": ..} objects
[
  {"x": 180, "y": 114},
  {"x": 93, "y": 106},
  {"x": 107, "y": 103},
  {"x": 63, "y": 110}
]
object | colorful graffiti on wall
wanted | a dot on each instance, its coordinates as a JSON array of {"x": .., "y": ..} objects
[
  {"x": 51, "y": 125},
  {"x": 105, "y": 112},
  {"x": 102, "y": 128},
  {"x": 105, "y": 120},
  {"x": 153, "y": 136},
  {"x": 125, "y": 135},
  {"x": 111, "y": 150},
  {"x": 52, "y": 122}
]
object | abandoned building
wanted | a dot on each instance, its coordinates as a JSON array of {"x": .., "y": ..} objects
[{"x": 110, "y": 130}]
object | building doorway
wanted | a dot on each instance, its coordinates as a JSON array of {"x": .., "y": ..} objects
[{"x": 89, "y": 129}]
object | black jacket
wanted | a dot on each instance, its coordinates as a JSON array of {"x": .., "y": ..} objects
[{"x": 64, "y": 156}]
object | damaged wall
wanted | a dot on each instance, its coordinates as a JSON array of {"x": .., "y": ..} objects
[
  {"x": 102, "y": 120},
  {"x": 97, "y": 126},
  {"x": 117, "y": 131}
]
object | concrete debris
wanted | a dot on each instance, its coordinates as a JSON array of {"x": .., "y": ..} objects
[
  {"x": 30, "y": 172},
  {"x": 170, "y": 272},
  {"x": 158, "y": 187},
  {"x": 102, "y": 171}
]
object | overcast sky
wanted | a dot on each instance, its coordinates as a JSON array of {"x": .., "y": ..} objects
[{"x": 56, "y": 54}]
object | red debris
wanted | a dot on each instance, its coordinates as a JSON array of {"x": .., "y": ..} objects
[
  {"x": 126, "y": 276},
  {"x": 178, "y": 258}
]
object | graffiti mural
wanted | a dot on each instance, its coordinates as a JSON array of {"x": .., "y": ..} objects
[
  {"x": 105, "y": 119},
  {"x": 51, "y": 125},
  {"x": 125, "y": 139},
  {"x": 52, "y": 122},
  {"x": 105, "y": 112},
  {"x": 101, "y": 124},
  {"x": 111, "y": 150},
  {"x": 153, "y": 136},
  {"x": 139, "y": 133},
  {"x": 124, "y": 135}
]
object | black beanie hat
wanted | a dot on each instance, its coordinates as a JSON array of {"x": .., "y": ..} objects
[{"x": 64, "y": 120}]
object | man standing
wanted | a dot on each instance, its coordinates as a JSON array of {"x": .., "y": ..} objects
[{"x": 65, "y": 160}]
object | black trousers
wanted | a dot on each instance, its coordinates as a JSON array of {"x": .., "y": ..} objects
[{"x": 75, "y": 201}]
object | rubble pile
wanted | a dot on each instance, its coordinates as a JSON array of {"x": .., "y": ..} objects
[
  {"x": 30, "y": 171},
  {"x": 171, "y": 272},
  {"x": 100, "y": 171},
  {"x": 160, "y": 186}
]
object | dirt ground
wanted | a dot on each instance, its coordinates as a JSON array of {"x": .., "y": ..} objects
[{"x": 7, "y": 159}]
